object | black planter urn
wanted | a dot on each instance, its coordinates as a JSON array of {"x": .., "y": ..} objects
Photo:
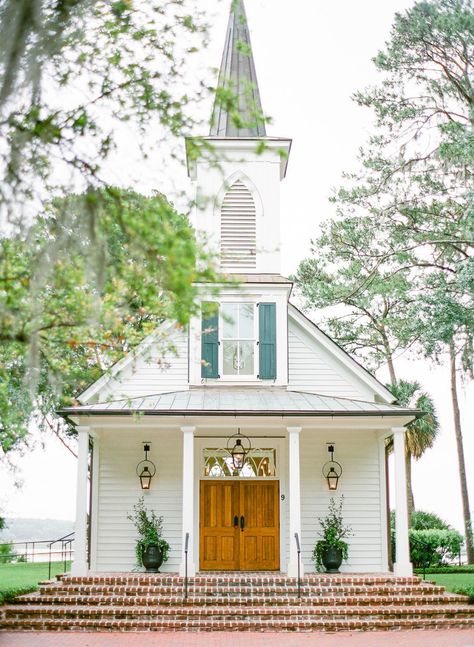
[
  {"x": 152, "y": 558},
  {"x": 332, "y": 559}
]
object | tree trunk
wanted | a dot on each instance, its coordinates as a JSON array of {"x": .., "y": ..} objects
[
  {"x": 389, "y": 356},
  {"x": 462, "y": 466}
]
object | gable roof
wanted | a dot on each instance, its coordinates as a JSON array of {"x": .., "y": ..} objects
[
  {"x": 343, "y": 356},
  {"x": 310, "y": 327},
  {"x": 94, "y": 388}
]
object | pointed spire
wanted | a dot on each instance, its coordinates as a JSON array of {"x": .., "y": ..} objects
[{"x": 237, "y": 74}]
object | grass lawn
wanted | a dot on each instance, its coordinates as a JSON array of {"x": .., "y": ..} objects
[
  {"x": 452, "y": 580},
  {"x": 24, "y": 577}
]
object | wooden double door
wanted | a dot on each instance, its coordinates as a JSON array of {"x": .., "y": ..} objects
[{"x": 239, "y": 526}]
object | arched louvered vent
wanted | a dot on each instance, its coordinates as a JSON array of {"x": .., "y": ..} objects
[{"x": 238, "y": 229}]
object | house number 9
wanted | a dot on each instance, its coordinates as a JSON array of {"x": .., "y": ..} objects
[{"x": 282, "y": 497}]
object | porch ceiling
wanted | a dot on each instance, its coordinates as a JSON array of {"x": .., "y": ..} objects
[{"x": 235, "y": 401}]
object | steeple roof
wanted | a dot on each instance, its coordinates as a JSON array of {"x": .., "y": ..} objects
[{"x": 237, "y": 75}]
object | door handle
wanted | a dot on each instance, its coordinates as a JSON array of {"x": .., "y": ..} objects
[
  {"x": 242, "y": 523},
  {"x": 236, "y": 521}
]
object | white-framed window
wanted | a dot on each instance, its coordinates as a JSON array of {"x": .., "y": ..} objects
[{"x": 238, "y": 339}]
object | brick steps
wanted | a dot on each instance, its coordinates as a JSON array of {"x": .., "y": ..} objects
[
  {"x": 247, "y": 591},
  {"x": 241, "y": 612},
  {"x": 143, "y": 602},
  {"x": 258, "y": 624},
  {"x": 216, "y": 600},
  {"x": 244, "y": 579}
]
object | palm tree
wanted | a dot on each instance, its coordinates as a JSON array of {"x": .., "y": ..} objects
[{"x": 421, "y": 432}]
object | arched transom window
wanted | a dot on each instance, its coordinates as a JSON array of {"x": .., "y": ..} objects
[
  {"x": 259, "y": 463},
  {"x": 238, "y": 229}
]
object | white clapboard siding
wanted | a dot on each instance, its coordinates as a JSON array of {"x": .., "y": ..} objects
[
  {"x": 152, "y": 371},
  {"x": 358, "y": 454},
  {"x": 312, "y": 368},
  {"x": 119, "y": 489},
  {"x": 238, "y": 229}
]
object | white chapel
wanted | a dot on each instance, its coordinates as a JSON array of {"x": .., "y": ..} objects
[{"x": 258, "y": 418}]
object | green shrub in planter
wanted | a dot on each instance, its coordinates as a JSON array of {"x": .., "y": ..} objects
[
  {"x": 333, "y": 533},
  {"x": 150, "y": 529}
]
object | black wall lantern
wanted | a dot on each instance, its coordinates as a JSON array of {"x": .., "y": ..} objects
[
  {"x": 239, "y": 451},
  {"x": 332, "y": 470},
  {"x": 146, "y": 470}
]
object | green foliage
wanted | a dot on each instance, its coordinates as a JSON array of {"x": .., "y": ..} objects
[
  {"x": 421, "y": 520},
  {"x": 398, "y": 255},
  {"x": 7, "y": 553},
  {"x": 8, "y": 595},
  {"x": 333, "y": 531},
  {"x": 433, "y": 547},
  {"x": 454, "y": 580},
  {"x": 465, "y": 590},
  {"x": 449, "y": 570},
  {"x": 71, "y": 73},
  {"x": 83, "y": 289},
  {"x": 373, "y": 323},
  {"x": 149, "y": 527},
  {"x": 17, "y": 579},
  {"x": 84, "y": 278},
  {"x": 421, "y": 432}
]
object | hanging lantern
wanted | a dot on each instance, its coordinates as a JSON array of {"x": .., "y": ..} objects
[
  {"x": 332, "y": 470},
  {"x": 146, "y": 470},
  {"x": 238, "y": 451}
]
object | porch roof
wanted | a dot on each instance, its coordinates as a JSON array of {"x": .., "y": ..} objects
[{"x": 240, "y": 401}]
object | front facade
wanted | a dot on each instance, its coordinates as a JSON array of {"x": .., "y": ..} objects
[{"x": 252, "y": 369}]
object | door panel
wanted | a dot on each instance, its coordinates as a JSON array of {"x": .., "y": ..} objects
[
  {"x": 259, "y": 502},
  {"x": 219, "y": 541},
  {"x": 226, "y": 547}
]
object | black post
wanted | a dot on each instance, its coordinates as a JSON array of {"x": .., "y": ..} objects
[
  {"x": 49, "y": 564},
  {"x": 298, "y": 549},
  {"x": 186, "y": 543}
]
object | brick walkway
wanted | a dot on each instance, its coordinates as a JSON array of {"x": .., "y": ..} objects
[{"x": 450, "y": 638}]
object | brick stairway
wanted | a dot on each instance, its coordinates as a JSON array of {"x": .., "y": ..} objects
[{"x": 237, "y": 601}]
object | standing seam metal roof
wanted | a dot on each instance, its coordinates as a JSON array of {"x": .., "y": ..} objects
[{"x": 214, "y": 401}]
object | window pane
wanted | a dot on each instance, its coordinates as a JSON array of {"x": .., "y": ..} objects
[
  {"x": 230, "y": 357},
  {"x": 229, "y": 317},
  {"x": 246, "y": 357},
  {"x": 246, "y": 321}
]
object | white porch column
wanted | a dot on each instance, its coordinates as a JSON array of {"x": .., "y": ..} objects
[
  {"x": 402, "y": 566},
  {"x": 94, "y": 512},
  {"x": 294, "y": 499},
  {"x": 188, "y": 499},
  {"x": 79, "y": 566}
]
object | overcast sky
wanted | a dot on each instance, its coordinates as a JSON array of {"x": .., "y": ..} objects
[{"x": 311, "y": 56}]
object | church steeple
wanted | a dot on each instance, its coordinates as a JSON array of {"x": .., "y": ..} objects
[{"x": 241, "y": 116}]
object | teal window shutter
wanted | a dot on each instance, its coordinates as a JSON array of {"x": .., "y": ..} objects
[
  {"x": 267, "y": 341},
  {"x": 210, "y": 340}
]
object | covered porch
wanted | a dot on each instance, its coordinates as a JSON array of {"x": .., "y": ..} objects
[{"x": 188, "y": 429}]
